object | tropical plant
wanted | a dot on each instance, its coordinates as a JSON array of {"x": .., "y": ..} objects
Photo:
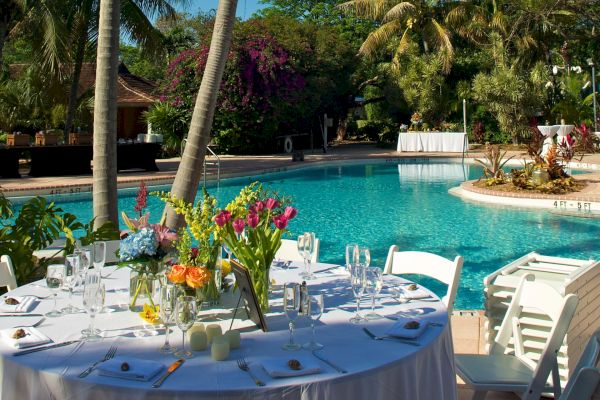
[
  {"x": 493, "y": 162},
  {"x": 170, "y": 121}
]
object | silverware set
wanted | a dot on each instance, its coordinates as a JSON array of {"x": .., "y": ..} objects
[
  {"x": 109, "y": 354},
  {"x": 394, "y": 338},
  {"x": 243, "y": 365}
]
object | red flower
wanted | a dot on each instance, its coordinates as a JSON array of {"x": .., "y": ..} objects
[
  {"x": 259, "y": 206},
  {"x": 271, "y": 203},
  {"x": 290, "y": 213},
  {"x": 223, "y": 217},
  {"x": 253, "y": 219},
  {"x": 238, "y": 225},
  {"x": 280, "y": 221}
]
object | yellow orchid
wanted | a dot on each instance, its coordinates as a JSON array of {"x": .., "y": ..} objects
[{"x": 150, "y": 314}]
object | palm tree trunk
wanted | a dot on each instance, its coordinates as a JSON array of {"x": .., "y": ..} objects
[
  {"x": 78, "y": 62},
  {"x": 190, "y": 169},
  {"x": 105, "y": 115}
]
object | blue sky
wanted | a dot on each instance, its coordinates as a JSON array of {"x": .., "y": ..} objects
[{"x": 245, "y": 8}]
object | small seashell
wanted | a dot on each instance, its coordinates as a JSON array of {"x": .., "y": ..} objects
[
  {"x": 124, "y": 367},
  {"x": 294, "y": 364}
]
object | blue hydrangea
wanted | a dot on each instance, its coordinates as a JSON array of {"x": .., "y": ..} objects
[{"x": 138, "y": 244}]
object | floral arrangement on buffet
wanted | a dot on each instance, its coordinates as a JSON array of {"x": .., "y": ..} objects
[{"x": 415, "y": 121}]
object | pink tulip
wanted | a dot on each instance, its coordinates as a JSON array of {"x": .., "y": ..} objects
[
  {"x": 290, "y": 213},
  {"x": 259, "y": 206},
  {"x": 223, "y": 217},
  {"x": 271, "y": 203},
  {"x": 253, "y": 220},
  {"x": 238, "y": 225},
  {"x": 280, "y": 221}
]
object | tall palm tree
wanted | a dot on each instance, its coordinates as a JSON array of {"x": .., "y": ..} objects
[
  {"x": 190, "y": 169},
  {"x": 406, "y": 21},
  {"x": 105, "y": 115}
]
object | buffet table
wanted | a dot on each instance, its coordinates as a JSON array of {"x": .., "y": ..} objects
[
  {"x": 376, "y": 369},
  {"x": 446, "y": 142}
]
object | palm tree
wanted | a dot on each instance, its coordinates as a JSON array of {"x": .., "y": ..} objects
[
  {"x": 407, "y": 21},
  {"x": 188, "y": 175},
  {"x": 105, "y": 115}
]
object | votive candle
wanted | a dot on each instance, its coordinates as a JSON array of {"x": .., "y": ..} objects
[
  {"x": 197, "y": 327},
  {"x": 234, "y": 339},
  {"x": 198, "y": 341},
  {"x": 213, "y": 331},
  {"x": 219, "y": 350}
]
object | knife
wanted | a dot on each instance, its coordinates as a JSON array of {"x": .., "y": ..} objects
[
  {"x": 171, "y": 369},
  {"x": 330, "y": 363},
  {"x": 21, "y": 315},
  {"x": 52, "y": 346}
]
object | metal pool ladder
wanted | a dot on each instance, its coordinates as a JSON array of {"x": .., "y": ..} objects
[{"x": 211, "y": 160}]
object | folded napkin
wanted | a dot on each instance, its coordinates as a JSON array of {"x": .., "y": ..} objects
[
  {"x": 399, "y": 328},
  {"x": 139, "y": 370},
  {"x": 279, "y": 368},
  {"x": 32, "y": 337},
  {"x": 419, "y": 293},
  {"x": 336, "y": 270},
  {"x": 26, "y": 303}
]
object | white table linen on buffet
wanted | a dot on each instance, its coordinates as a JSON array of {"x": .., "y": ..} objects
[
  {"x": 447, "y": 142},
  {"x": 385, "y": 369}
]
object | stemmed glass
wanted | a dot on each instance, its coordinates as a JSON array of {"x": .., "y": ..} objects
[
  {"x": 302, "y": 249},
  {"x": 168, "y": 297},
  {"x": 364, "y": 256},
  {"x": 373, "y": 285},
  {"x": 93, "y": 302},
  {"x": 351, "y": 255},
  {"x": 291, "y": 306},
  {"x": 309, "y": 250},
  {"x": 185, "y": 315},
  {"x": 55, "y": 274},
  {"x": 357, "y": 279},
  {"x": 314, "y": 305},
  {"x": 71, "y": 280},
  {"x": 99, "y": 254}
]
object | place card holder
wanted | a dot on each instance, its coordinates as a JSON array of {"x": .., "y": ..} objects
[{"x": 247, "y": 293}]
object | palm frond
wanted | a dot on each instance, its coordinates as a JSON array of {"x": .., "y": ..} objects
[
  {"x": 136, "y": 25},
  {"x": 374, "y": 9},
  {"x": 441, "y": 38},
  {"x": 399, "y": 11},
  {"x": 403, "y": 46},
  {"x": 379, "y": 37}
]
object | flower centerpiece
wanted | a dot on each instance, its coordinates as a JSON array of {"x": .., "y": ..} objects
[
  {"x": 415, "y": 121},
  {"x": 197, "y": 266},
  {"x": 252, "y": 226},
  {"x": 143, "y": 248}
]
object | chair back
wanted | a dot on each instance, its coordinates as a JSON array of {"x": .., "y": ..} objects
[
  {"x": 289, "y": 251},
  {"x": 7, "y": 273},
  {"x": 586, "y": 375},
  {"x": 538, "y": 297},
  {"x": 111, "y": 251},
  {"x": 432, "y": 265}
]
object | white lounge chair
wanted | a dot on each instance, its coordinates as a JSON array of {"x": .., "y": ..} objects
[
  {"x": 505, "y": 372},
  {"x": 7, "y": 273},
  {"x": 289, "y": 251},
  {"x": 432, "y": 265}
]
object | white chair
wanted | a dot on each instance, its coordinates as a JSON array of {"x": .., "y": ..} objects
[
  {"x": 585, "y": 377},
  {"x": 432, "y": 265},
  {"x": 7, "y": 273},
  {"x": 289, "y": 251},
  {"x": 112, "y": 246},
  {"x": 516, "y": 372}
]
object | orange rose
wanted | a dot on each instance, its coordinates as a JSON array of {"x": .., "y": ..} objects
[
  {"x": 177, "y": 274},
  {"x": 197, "y": 277}
]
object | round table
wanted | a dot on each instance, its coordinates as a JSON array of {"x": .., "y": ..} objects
[{"x": 377, "y": 369}]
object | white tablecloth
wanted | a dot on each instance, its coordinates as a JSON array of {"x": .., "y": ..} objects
[
  {"x": 447, "y": 142},
  {"x": 376, "y": 369}
]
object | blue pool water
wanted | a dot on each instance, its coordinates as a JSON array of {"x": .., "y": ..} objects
[{"x": 406, "y": 204}]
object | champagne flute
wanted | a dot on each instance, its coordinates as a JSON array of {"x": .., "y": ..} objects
[
  {"x": 373, "y": 285},
  {"x": 309, "y": 249},
  {"x": 364, "y": 256},
  {"x": 291, "y": 306},
  {"x": 351, "y": 255},
  {"x": 302, "y": 249},
  {"x": 93, "y": 301},
  {"x": 70, "y": 281},
  {"x": 99, "y": 254},
  {"x": 55, "y": 274},
  {"x": 357, "y": 279},
  {"x": 168, "y": 297},
  {"x": 185, "y": 316},
  {"x": 315, "y": 306}
]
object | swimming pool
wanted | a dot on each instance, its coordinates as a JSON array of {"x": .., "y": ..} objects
[{"x": 405, "y": 203}]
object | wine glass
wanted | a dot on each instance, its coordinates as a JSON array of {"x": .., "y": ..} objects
[
  {"x": 364, "y": 256},
  {"x": 357, "y": 279},
  {"x": 93, "y": 301},
  {"x": 351, "y": 255},
  {"x": 309, "y": 249},
  {"x": 373, "y": 285},
  {"x": 291, "y": 306},
  {"x": 185, "y": 315},
  {"x": 71, "y": 280},
  {"x": 315, "y": 305},
  {"x": 168, "y": 297},
  {"x": 99, "y": 254},
  {"x": 55, "y": 274}
]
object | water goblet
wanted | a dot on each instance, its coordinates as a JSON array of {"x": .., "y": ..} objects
[
  {"x": 373, "y": 285},
  {"x": 357, "y": 279},
  {"x": 315, "y": 306},
  {"x": 291, "y": 306},
  {"x": 55, "y": 274},
  {"x": 309, "y": 249},
  {"x": 168, "y": 297},
  {"x": 99, "y": 254},
  {"x": 93, "y": 301},
  {"x": 71, "y": 280},
  {"x": 185, "y": 316}
]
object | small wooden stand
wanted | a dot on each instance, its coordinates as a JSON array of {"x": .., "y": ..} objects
[
  {"x": 48, "y": 138},
  {"x": 13, "y": 139},
  {"x": 80, "y": 138}
]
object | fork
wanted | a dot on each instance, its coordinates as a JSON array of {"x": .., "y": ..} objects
[
  {"x": 375, "y": 337},
  {"x": 243, "y": 365},
  {"x": 109, "y": 354},
  {"x": 36, "y": 296}
]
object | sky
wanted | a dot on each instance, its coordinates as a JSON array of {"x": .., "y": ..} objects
[{"x": 245, "y": 8}]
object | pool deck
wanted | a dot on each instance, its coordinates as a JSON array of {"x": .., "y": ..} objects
[{"x": 467, "y": 326}]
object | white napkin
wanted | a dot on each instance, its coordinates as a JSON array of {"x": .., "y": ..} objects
[
  {"x": 139, "y": 370},
  {"x": 418, "y": 293},
  {"x": 32, "y": 337},
  {"x": 26, "y": 303},
  {"x": 399, "y": 330},
  {"x": 279, "y": 368}
]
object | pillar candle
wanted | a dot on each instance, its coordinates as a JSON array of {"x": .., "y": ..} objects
[
  {"x": 198, "y": 341},
  {"x": 219, "y": 349},
  {"x": 234, "y": 339},
  {"x": 213, "y": 331},
  {"x": 197, "y": 327}
]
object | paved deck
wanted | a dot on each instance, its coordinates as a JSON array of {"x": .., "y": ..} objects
[{"x": 467, "y": 326}]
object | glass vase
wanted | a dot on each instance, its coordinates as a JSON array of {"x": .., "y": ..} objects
[
  {"x": 260, "y": 281},
  {"x": 142, "y": 287}
]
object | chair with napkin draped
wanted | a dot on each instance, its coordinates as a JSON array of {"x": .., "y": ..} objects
[
  {"x": 584, "y": 379},
  {"x": 507, "y": 370},
  {"x": 7, "y": 273},
  {"x": 432, "y": 265},
  {"x": 289, "y": 251}
]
